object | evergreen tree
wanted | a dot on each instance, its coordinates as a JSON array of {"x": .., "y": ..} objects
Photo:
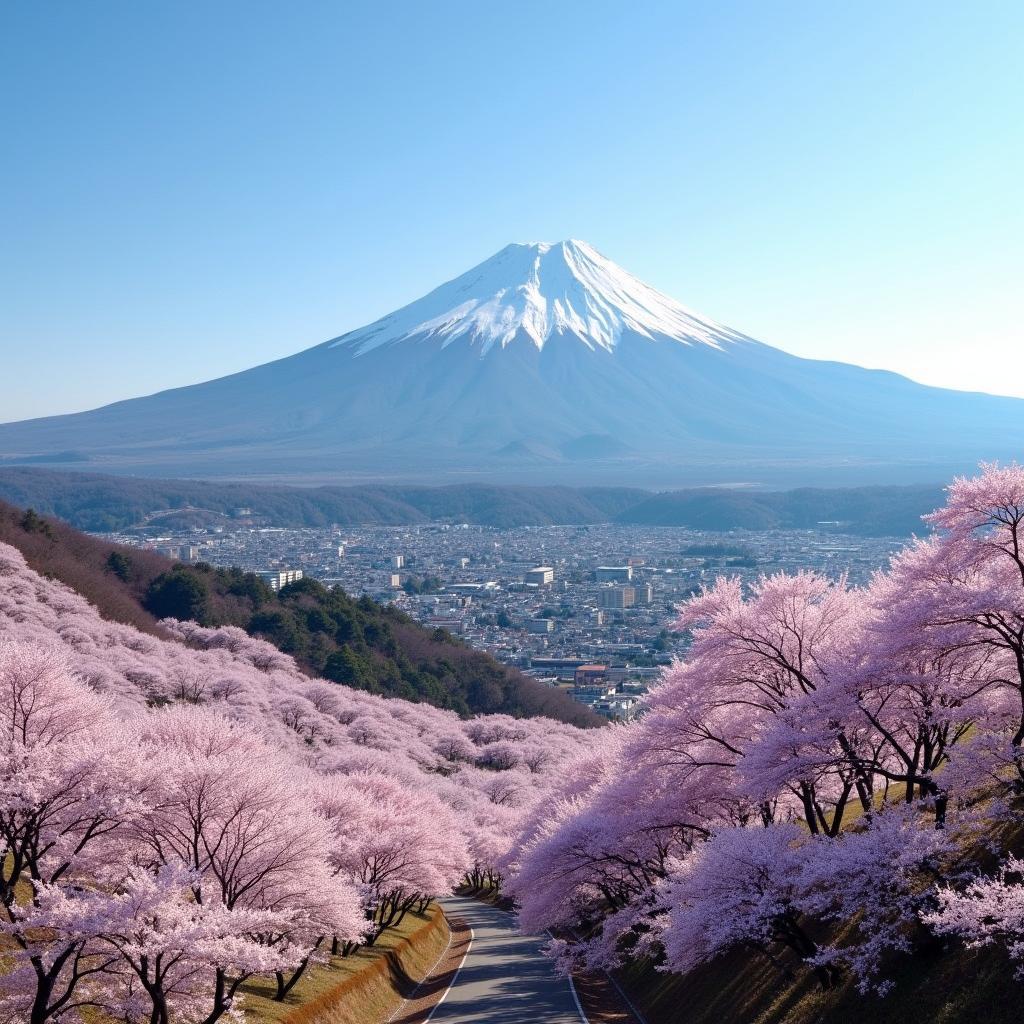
[{"x": 179, "y": 594}]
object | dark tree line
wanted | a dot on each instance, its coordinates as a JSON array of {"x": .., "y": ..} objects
[
  {"x": 354, "y": 641},
  {"x": 98, "y": 503}
]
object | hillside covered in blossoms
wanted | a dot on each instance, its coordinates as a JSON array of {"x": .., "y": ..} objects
[{"x": 180, "y": 814}]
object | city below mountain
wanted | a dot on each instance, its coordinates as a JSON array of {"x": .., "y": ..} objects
[{"x": 544, "y": 364}]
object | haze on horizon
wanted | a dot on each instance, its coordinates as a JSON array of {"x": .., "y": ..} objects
[{"x": 840, "y": 183}]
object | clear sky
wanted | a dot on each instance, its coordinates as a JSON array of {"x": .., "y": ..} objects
[{"x": 192, "y": 188}]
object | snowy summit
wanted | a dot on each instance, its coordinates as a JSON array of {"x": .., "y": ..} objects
[{"x": 535, "y": 290}]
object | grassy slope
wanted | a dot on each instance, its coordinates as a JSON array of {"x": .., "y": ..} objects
[
  {"x": 360, "y": 989},
  {"x": 938, "y": 986},
  {"x": 941, "y": 982}
]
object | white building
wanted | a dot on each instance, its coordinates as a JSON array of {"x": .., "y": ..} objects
[{"x": 278, "y": 578}]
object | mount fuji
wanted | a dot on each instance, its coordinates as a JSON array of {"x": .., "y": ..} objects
[{"x": 547, "y": 363}]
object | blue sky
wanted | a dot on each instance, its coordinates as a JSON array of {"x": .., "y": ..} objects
[{"x": 188, "y": 189}]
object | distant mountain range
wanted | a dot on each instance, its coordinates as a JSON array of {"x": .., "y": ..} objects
[
  {"x": 547, "y": 363},
  {"x": 104, "y": 503}
]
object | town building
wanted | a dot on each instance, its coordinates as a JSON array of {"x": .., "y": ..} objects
[
  {"x": 451, "y": 623},
  {"x": 541, "y": 576},
  {"x": 617, "y": 597},
  {"x": 613, "y": 573},
  {"x": 564, "y": 668},
  {"x": 589, "y": 675}
]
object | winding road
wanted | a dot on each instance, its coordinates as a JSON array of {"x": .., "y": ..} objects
[{"x": 505, "y": 978}]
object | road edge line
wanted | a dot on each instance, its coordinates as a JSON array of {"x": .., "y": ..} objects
[
  {"x": 572, "y": 984},
  {"x": 641, "y": 1019},
  {"x": 426, "y": 977},
  {"x": 455, "y": 977},
  {"x": 576, "y": 1000},
  {"x": 572, "y": 988}
]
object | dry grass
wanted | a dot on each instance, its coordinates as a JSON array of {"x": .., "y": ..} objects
[{"x": 364, "y": 988}]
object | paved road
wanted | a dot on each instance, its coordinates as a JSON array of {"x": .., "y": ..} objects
[{"x": 505, "y": 979}]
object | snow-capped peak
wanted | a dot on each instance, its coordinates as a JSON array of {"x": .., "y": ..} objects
[{"x": 535, "y": 290}]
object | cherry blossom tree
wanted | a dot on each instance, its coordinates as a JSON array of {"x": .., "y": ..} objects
[
  {"x": 989, "y": 910},
  {"x": 741, "y": 889},
  {"x": 961, "y": 593},
  {"x": 70, "y": 781},
  {"x": 399, "y": 847},
  {"x": 920, "y": 703},
  {"x": 249, "y": 838},
  {"x": 878, "y": 881},
  {"x": 761, "y": 674}
]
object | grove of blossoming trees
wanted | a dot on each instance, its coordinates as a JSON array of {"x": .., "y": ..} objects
[
  {"x": 823, "y": 756},
  {"x": 817, "y": 781},
  {"x": 179, "y": 815}
]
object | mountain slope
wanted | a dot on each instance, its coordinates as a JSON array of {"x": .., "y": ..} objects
[{"x": 546, "y": 363}]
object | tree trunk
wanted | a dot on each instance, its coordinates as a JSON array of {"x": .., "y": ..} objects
[
  {"x": 40, "y": 1011},
  {"x": 285, "y": 985},
  {"x": 160, "y": 1014},
  {"x": 828, "y": 976}
]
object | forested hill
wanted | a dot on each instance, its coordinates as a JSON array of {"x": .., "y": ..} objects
[
  {"x": 102, "y": 503},
  {"x": 358, "y": 643}
]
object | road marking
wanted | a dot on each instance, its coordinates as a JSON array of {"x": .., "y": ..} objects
[
  {"x": 576, "y": 1000},
  {"x": 455, "y": 977},
  {"x": 572, "y": 988},
  {"x": 629, "y": 1002},
  {"x": 426, "y": 977},
  {"x": 572, "y": 984}
]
